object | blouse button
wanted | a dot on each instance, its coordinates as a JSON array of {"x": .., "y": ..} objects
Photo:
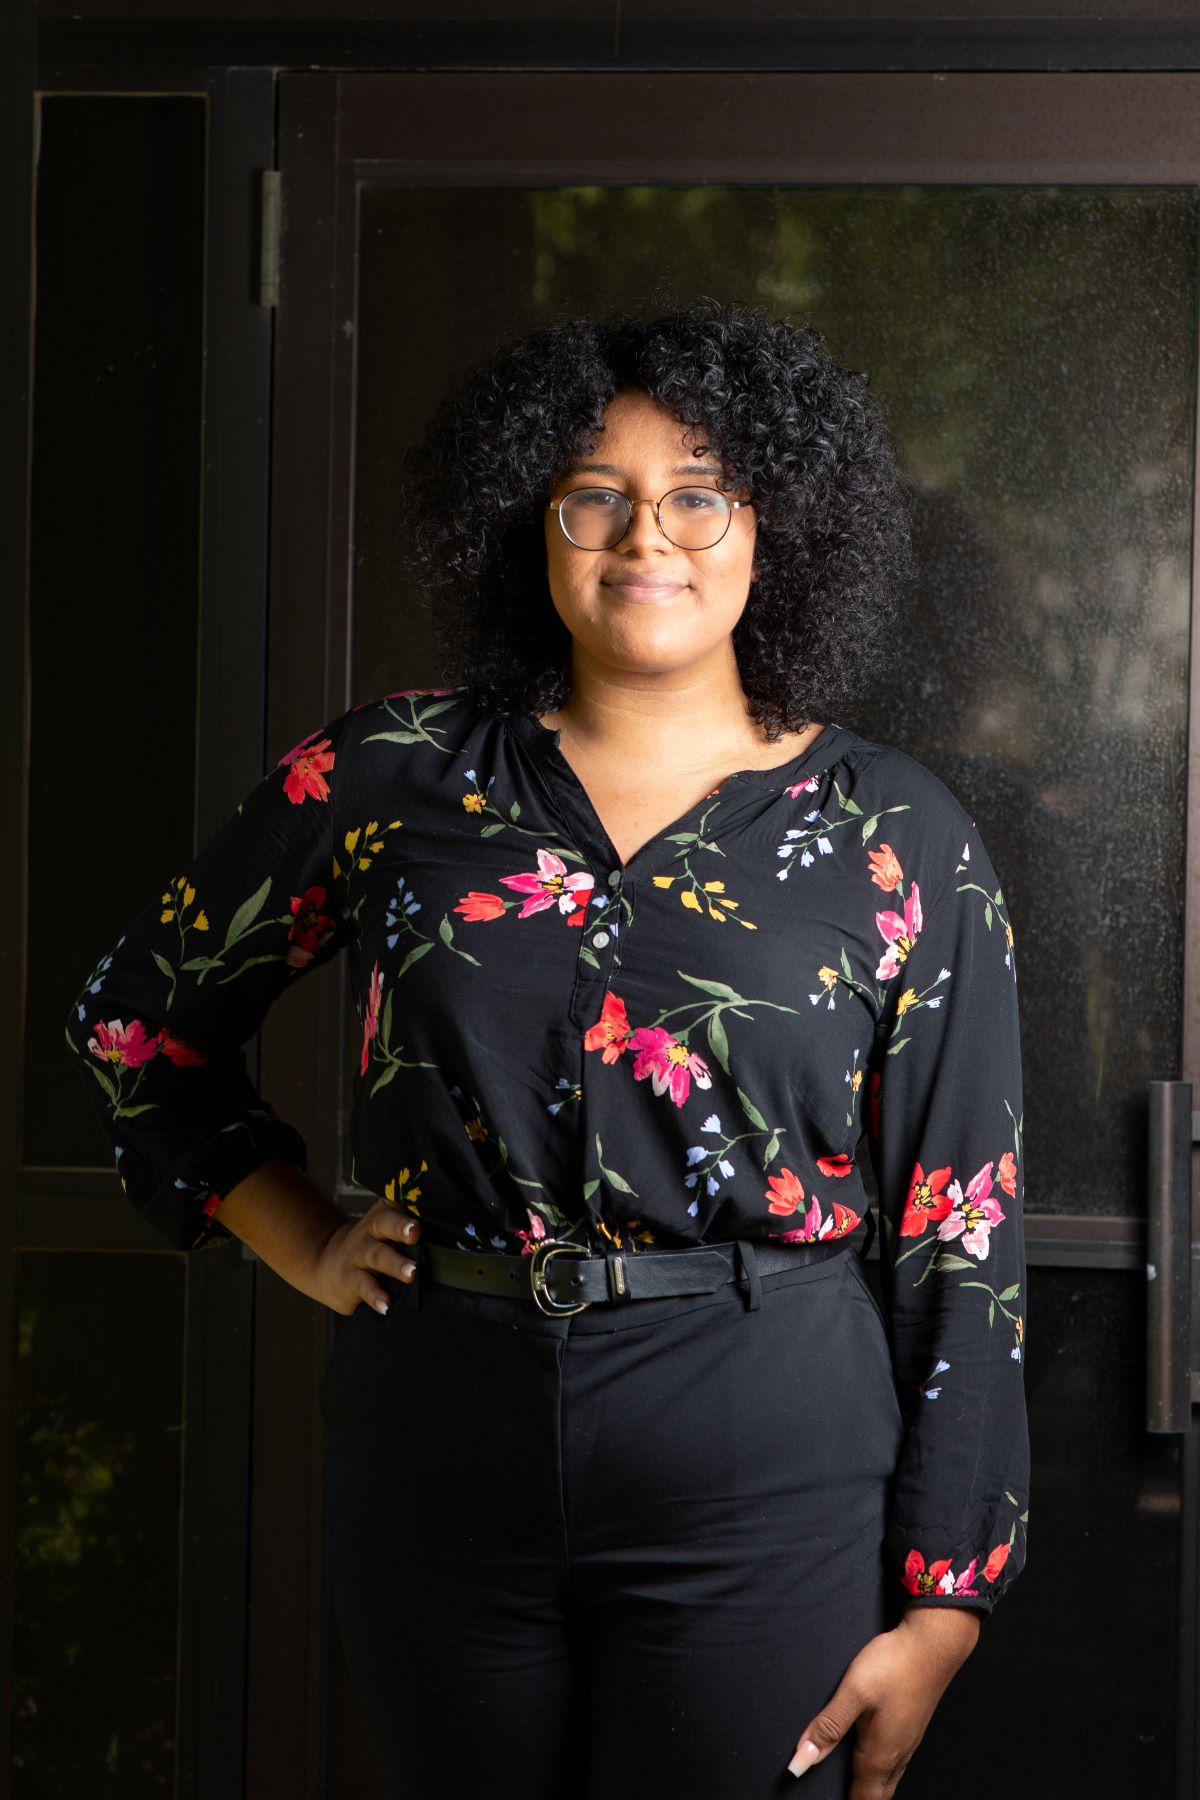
[{"x": 600, "y": 938}]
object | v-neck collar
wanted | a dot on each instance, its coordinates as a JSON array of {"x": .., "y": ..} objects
[{"x": 573, "y": 801}]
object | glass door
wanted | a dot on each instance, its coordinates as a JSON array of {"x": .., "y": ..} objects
[{"x": 1024, "y": 300}]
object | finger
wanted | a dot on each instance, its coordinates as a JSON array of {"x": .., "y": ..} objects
[
  {"x": 826, "y": 1731},
  {"x": 387, "y": 1221},
  {"x": 371, "y": 1292}
]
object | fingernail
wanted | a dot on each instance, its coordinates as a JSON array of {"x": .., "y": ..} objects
[
  {"x": 804, "y": 1758},
  {"x": 382, "y": 1305}
]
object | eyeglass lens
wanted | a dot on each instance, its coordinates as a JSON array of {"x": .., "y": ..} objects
[{"x": 695, "y": 518}]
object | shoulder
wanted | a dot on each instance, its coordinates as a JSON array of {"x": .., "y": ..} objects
[
  {"x": 909, "y": 814},
  {"x": 439, "y": 717}
]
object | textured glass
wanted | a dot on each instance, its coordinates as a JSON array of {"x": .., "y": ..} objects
[
  {"x": 113, "y": 555},
  {"x": 1034, "y": 352},
  {"x": 96, "y": 1546}
]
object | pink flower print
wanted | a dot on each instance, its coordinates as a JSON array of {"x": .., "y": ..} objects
[
  {"x": 900, "y": 934},
  {"x": 127, "y": 1045},
  {"x": 552, "y": 886},
  {"x": 671, "y": 1065},
  {"x": 939, "y": 1577},
  {"x": 973, "y": 1214},
  {"x": 531, "y": 1238},
  {"x": 803, "y": 787},
  {"x": 305, "y": 779},
  {"x": 786, "y": 1194},
  {"x": 371, "y": 1022}
]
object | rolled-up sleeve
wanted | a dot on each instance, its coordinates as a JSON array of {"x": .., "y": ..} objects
[
  {"x": 945, "y": 1139},
  {"x": 158, "y": 1027}
]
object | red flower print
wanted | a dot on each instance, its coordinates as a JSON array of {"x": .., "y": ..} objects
[
  {"x": 371, "y": 1021},
  {"x": 788, "y": 1195},
  {"x": 551, "y": 886},
  {"x": 182, "y": 1054},
  {"x": 671, "y": 1066},
  {"x": 974, "y": 1214},
  {"x": 475, "y": 906},
  {"x": 839, "y": 1164},
  {"x": 611, "y": 1032},
  {"x": 1006, "y": 1172},
  {"x": 925, "y": 1200},
  {"x": 312, "y": 926},
  {"x": 899, "y": 933},
  {"x": 803, "y": 787},
  {"x": 996, "y": 1561},
  {"x": 787, "y": 1191},
  {"x": 885, "y": 867},
  {"x": 305, "y": 780},
  {"x": 128, "y": 1045},
  {"x": 938, "y": 1578}
]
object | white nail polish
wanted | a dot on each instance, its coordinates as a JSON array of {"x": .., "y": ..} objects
[
  {"x": 804, "y": 1758},
  {"x": 381, "y": 1306}
]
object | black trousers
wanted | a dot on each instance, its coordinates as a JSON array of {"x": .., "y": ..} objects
[{"x": 621, "y": 1554}]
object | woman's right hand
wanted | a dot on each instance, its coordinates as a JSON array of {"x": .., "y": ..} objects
[{"x": 343, "y": 1279}]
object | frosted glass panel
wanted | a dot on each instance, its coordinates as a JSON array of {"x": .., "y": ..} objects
[{"x": 1034, "y": 349}]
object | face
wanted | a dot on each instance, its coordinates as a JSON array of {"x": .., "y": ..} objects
[{"x": 648, "y": 606}]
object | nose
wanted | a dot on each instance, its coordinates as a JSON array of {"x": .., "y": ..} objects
[{"x": 643, "y": 527}]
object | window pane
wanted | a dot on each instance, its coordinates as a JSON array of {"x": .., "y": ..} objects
[
  {"x": 1034, "y": 350},
  {"x": 99, "y": 1453}
]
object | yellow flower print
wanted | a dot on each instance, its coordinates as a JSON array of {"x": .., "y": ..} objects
[
  {"x": 174, "y": 906},
  {"x": 474, "y": 803},
  {"x": 905, "y": 1001},
  {"x": 476, "y": 1130},
  {"x": 397, "y": 1190},
  {"x": 371, "y": 837},
  {"x": 631, "y": 1236},
  {"x": 707, "y": 896}
]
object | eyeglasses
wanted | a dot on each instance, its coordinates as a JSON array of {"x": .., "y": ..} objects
[{"x": 694, "y": 518}]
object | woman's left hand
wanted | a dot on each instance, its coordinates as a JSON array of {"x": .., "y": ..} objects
[{"x": 892, "y": 1687}]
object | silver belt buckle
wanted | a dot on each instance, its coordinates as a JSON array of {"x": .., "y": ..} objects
[{"x": 548, "y": 1247}]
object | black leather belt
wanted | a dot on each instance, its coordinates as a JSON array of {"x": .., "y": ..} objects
[{"x": 563, "y": 1277}]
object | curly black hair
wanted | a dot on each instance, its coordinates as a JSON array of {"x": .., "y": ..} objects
[{"x": 834, "y": 542}]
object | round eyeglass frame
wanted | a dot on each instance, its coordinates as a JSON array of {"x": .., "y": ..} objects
[{"x": 555, "y": 506}]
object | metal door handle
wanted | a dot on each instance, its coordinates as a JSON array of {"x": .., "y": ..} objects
[{"x": 1169, "y": 1257}]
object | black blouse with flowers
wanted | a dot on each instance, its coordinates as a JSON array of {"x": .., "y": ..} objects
[{"x": 688, "y": 1048}]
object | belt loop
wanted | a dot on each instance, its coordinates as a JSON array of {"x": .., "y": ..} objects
[
  {"x": 870, "y": 1234},
  {"x": 748, "y": 1265}
]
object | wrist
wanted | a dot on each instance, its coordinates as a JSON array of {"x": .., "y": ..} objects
[{"x": 956, "y": 1628}]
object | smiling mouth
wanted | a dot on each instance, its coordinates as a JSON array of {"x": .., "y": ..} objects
[{"x": 645, "y": 590}]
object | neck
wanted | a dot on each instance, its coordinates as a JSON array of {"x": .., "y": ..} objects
[{"x": 629, "y": 718}]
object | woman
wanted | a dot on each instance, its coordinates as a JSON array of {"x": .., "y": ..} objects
[{"x": 633, "y": 1487}]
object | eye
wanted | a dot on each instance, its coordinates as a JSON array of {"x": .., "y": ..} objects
[{"x": 595, "y": 499}]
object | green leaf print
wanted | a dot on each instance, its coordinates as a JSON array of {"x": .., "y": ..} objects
[
  {"x": 246, "y": 914},
  {"x": 751, "y": 1111},
  {"x": 717, "y": 1040}
]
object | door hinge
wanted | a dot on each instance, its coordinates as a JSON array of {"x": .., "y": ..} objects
[{"x": 270, "y": 216}]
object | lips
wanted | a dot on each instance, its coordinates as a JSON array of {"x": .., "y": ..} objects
[{"x": 646, "y": 587}]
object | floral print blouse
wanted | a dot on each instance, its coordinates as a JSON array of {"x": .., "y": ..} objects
[{"x": 815, "y": 960}]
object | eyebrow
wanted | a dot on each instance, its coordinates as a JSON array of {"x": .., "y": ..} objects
[{"x": 593, "y": 468}]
